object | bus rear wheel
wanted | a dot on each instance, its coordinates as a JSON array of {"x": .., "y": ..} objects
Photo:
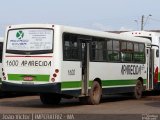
[
  {"x": 50, "y": 99},
  {"x": 138, "y": 90},
  {"x": 95, "y": 93}
]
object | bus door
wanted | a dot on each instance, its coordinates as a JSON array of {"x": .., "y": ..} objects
[
  {"x": 85, "y": 55},
  {"x": 150, "y": 68}
]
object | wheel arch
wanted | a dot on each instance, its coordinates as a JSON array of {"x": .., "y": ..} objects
[
  {"x": 141, "y": 79},
  {"x": 98, "y": 80}
]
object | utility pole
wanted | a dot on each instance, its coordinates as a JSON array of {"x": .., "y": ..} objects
[{"x": 142, "y": 22}]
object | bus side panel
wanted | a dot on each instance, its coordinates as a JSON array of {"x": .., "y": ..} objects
[
  {"x": 116, "y": 76},
  {"x": 71, "y": 79}
]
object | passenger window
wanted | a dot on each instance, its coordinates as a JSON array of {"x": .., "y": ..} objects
[
  {"x": 70, "y": 48},
  {"x": 97, "y": 48}
]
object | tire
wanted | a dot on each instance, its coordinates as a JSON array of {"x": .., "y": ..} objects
[
  {"x": 138, "y": 90},
  {"x": 50, "y": 99},
  {"x": 95, "y": 94}
]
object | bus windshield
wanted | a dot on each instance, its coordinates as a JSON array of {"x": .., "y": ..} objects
[{"x": 30, "y": 41}]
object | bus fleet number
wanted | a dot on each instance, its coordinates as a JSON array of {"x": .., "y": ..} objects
[{"x": 12, "y": 62}]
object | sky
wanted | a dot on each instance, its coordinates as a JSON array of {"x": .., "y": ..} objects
[{"x": 104, "y": 15}]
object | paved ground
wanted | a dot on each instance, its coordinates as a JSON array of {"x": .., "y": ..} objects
[{"x": 112, "y": 107}]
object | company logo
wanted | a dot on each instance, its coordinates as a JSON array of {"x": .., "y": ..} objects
[{"x": 20, "y": 34}]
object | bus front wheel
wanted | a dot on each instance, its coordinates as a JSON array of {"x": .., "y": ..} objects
[
  {"x": 52, "y": 99},
  {"x": 138, "y": 90}
]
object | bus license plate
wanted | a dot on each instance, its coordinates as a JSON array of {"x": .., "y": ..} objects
[{"x": 28, "y": 83}]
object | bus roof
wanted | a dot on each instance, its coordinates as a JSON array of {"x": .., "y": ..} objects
[
  {"x": 142, "y": 33},
  {"x": 83, "y": 31}
]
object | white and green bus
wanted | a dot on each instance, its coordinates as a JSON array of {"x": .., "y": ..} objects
[
  {"x": 1, "y": 51},
  {"x": 59, "y": 61},
  {"x": 154, "y": 37}
]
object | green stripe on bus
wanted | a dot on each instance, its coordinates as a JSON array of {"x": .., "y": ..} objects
[
  {"x": 71, "y": 84},
  {"x": 118, "y": 82},
  {"x": 77, "y": 84},
  {"x": 36, "y": 77}
]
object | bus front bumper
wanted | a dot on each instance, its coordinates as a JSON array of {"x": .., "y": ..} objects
[{"x": 35, "y": 88}]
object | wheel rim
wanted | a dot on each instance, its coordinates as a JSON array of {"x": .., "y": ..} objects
[
  {"x": 96, "y": 92},
  {"x": 139, "y": 90}
]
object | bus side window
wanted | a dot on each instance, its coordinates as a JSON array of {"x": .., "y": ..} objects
[
  {"x": 116, "y": 50},
  {"x": 127, "y": 51},
  {"x": 1, "y": 51},
  {"x": 98, "y": 49},
  {"x": 109, "y": 49},
  {"x": 70, "y": 47},
  {"x": 139, "y": 53}
]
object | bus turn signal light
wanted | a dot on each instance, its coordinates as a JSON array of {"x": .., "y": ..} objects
[
  {"x": 56, "y": 70},
  {"x": 54, "y": 75}
]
